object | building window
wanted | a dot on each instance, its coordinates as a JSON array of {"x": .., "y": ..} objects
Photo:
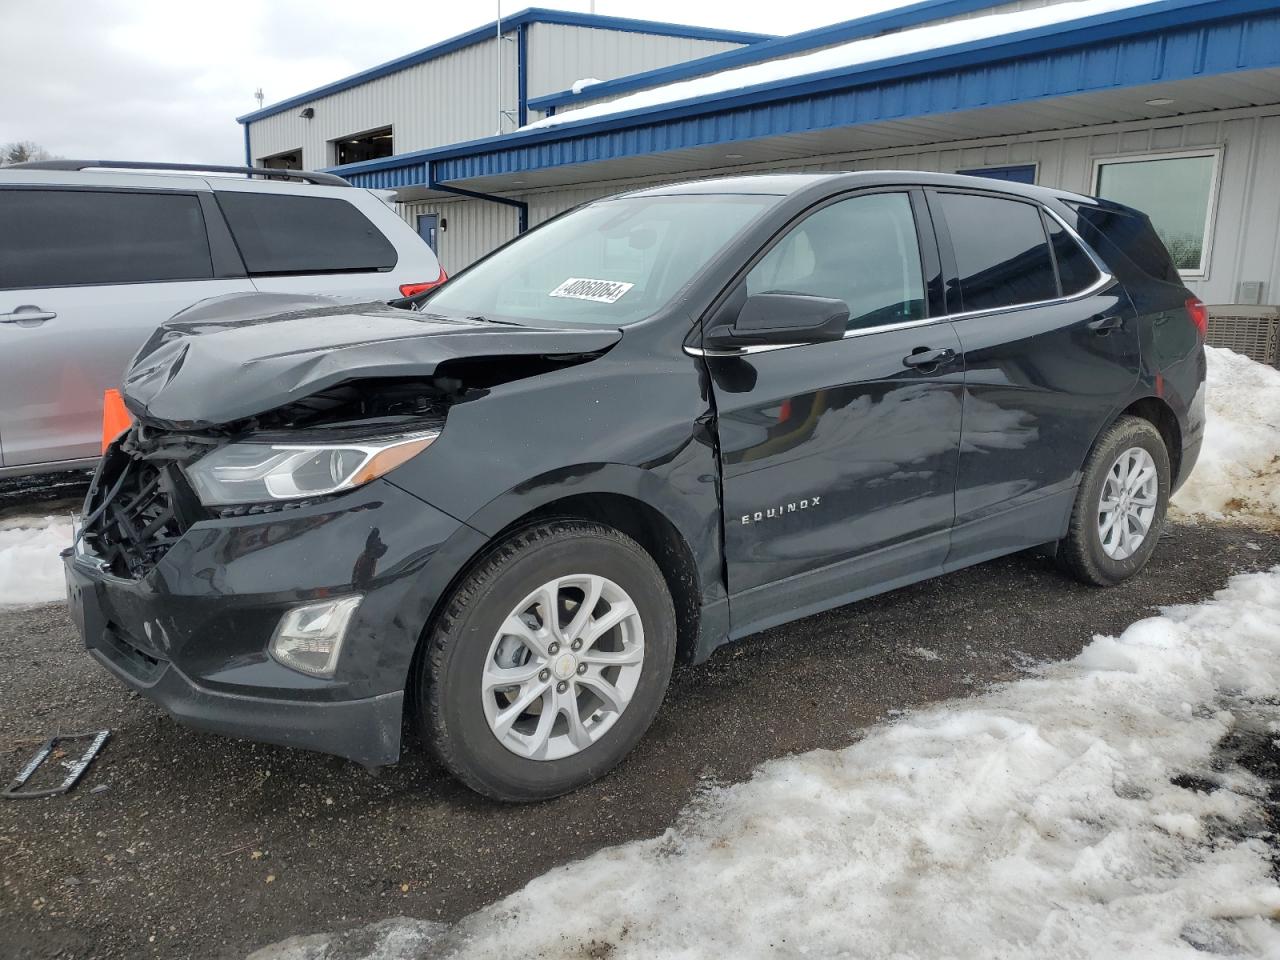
[
  {"x": 1176, "y": 190},
  {"x": 1019, "y": 173},
  {"x": 373, "y": 145},
  {"x": 289, "y": 160}
]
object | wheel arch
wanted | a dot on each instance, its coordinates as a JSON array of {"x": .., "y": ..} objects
[
  {"x": 685, "y": 546},
  {"x": 1157, "y": 411}
]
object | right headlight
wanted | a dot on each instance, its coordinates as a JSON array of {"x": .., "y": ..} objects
[{"x": 253, "y": 472}]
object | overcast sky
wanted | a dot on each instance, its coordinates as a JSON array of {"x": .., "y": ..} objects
[{"x": 165, "y": 80}]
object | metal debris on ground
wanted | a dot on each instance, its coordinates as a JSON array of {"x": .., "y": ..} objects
[{"x": 75, "y": 770}]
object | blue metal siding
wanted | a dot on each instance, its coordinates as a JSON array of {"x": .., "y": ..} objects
[
  {"x": 901, "y": 18},
  {"x": 887, "y": 91}
]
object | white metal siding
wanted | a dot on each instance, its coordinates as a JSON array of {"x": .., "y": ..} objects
[
  {"x": 560, "y": 55},
  {"x": 1246, "y": 236},
  {"x": 471, "y": 228},
  {"x": 446, "y": 100}
]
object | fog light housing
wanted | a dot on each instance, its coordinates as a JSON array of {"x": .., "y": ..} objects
[{"x": 309, "y": 638}]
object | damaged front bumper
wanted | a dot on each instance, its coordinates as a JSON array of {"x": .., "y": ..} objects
[{"x": 192, "y": 633}]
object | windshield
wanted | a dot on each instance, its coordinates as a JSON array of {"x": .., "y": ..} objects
[{"x": 610, "y": 263}]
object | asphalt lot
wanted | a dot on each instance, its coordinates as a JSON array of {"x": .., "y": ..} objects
[{"x": 201, "y": 846}]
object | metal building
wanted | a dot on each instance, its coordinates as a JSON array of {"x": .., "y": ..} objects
[{"x": 1170, "y": 105}]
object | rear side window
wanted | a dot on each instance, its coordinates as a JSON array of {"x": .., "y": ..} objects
[
  {"x": 282, "y": 234},
  {"x": 1076, "y": 269},
  {"x": 1130, "y": 234},
  {"x": 62, "y": 238},
  {"x": 1002, "y": 254}
]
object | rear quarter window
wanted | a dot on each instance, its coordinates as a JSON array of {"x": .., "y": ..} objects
[
  {"x": 1076, "y": 270},
  {"x": 64, "y": 238},
  {"x": 287, "y": 234},
  {"x": 1128, "y": 242}
]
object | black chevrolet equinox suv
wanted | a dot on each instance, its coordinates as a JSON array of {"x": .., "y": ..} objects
[{"x": 655, "y": 424}]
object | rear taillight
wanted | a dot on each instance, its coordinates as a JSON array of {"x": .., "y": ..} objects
[
  {"x": 413, "y": 289},
  {"x": 1199, "y": 315}
]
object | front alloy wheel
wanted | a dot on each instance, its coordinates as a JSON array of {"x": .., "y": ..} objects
[
  {"x": 549, "y": 661},
  {"x": 563, "y": 667}
]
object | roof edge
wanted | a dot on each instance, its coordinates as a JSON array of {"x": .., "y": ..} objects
[
  {"x": 1154, "y": 15},
  {"x": 485, "y": 31},
  {"x": 912, "y": 15}
]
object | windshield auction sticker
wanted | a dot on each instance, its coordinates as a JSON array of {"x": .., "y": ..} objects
[{"x": 600, "y": 291}]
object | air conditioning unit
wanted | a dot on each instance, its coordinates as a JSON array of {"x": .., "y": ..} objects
[{"x": 1253, "y": 331}]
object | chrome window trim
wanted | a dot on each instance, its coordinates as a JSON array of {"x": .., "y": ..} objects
[{"x": 1105, "y": 279}]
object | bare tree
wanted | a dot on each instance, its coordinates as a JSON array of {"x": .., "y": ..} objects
[{"x": 21, "y": 151}]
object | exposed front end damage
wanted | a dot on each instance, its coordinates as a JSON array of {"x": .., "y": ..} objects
[{"x": 182, "y": 589}]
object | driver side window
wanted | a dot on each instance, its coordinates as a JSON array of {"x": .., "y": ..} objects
[{"x": 862, "y": 250}]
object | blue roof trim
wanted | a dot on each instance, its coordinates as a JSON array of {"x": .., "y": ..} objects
[
  {"x": 480, "y": 34},
  {"x": 723, "y": 119},
  {"x": 909, "y": 16}
]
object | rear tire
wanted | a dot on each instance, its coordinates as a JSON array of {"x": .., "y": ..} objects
[
  {"x": 1118, "y": 516},
  {"x": 588, "y": 682}
]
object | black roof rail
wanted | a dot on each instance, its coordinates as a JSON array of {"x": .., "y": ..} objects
[{"x": 322, "y": 179}]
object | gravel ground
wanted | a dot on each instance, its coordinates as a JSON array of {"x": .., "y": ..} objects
[{"x": 206, "y": 847}]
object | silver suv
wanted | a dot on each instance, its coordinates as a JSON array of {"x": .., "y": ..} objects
[{"x": 95, "y": 255}]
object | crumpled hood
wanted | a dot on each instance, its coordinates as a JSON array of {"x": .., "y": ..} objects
[{"x": 236, "y": 356}]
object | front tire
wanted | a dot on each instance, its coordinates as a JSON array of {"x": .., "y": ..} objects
[
  {"x": 1120, "y": 507},
  {"x": 549, "y": 662}
]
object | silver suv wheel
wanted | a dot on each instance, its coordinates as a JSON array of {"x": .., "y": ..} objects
[
  {"x": 563, "y": 667},
  {"x": 1127, "y": 506}
]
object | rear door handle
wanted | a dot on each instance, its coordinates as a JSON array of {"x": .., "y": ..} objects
[
  {"x": 1105, "y": 324},
  {"x": 925, "y": 357},
  {"x": 27, "y": 314}
]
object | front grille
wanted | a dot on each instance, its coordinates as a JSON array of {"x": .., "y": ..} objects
[{"x": 138, "y": 507}]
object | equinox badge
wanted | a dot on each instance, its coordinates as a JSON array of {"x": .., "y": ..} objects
[{"x": 771, "y": 512}]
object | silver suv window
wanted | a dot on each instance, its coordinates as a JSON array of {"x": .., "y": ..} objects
[
  {"x": 64, "y": 238},
  {"x": 283, "y": 234}
]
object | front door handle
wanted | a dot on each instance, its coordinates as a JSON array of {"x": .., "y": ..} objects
[
  {"x": 27, "y": 314},
  {"x": 1104, "y": 325},
  {"x": 924, "y": 357}
]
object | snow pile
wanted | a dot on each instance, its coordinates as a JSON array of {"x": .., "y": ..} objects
[
  {"x": 854, "y": 53},
  {"x": 1239, "y": 467},
  {"x": 1038, "y": 820},
  {"x": 30, "y": 569}
]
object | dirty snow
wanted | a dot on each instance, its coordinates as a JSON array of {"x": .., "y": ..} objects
[
  {"x": 854, "y": 53},
  {"x": 1239, "y": 467},
  {"x": 30, "y": 569},
  {"x": 1040, "y": 819}
]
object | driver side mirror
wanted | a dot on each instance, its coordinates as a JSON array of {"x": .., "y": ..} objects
[{"x": 778, "y": 318}]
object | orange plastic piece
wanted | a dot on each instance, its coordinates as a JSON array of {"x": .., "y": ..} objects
[{"x": 115, "y": 417}]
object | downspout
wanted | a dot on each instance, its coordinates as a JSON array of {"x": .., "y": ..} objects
[
  {"x": 522, "y": 208},
  {"x": 522, "y": 75},
  {"x": 248, "y": 151}
]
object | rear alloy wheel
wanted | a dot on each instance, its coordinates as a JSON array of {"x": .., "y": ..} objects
[
  {"x": 549, "y": 662},
  {"x": 1127, "y": 508},
  {"x": 1120, "y": 505}
]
